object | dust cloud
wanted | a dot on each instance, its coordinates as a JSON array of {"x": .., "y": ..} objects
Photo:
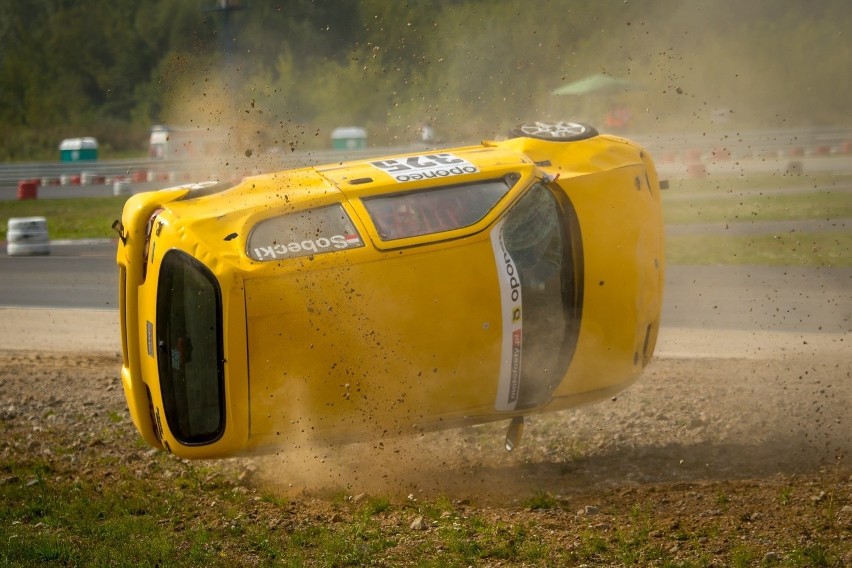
[
  {"x": 693, "y": 67},
  {"x": 781, "y": 416},
  {"x": 696, "y": 67}
]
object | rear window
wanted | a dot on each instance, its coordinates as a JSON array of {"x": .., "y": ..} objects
[
  {"x": 189, "y": 349},
  {"x": 415, "y": 213}
]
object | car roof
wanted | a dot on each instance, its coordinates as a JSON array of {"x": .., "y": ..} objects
[
  {"x": 318, "y": 185},
  {"x": 418, "y": 170}
]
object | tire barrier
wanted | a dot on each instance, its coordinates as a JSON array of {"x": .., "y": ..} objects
[
  {"x": 121, "y": 187},
  {"x": 28, "y": 189},
  {"x": 696, "y": 170},
  {"x": 27, "y": 236},
  {"x": 693, "y": 155},
  {"x": 92, "y": 178},
  {"x": 720, "y": 154},
  {"x": 671, "y": 152},
  {"x": 69, "y": 179},
  {"x": 125, "y": 184}
]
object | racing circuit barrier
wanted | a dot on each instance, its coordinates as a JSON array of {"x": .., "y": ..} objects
[
  {"x": 27, "y": 236},
  {"x": 738, "y": 145},
  {"x": 28, "y": 189},
  {"x": 681, "y": 149},
  {"x": 127, "y": 176}
]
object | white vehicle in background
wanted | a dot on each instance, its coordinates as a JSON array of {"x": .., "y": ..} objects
[{"x": 177, "y": 143}]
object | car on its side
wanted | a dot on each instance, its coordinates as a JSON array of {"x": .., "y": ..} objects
[{"x": 391, "y": 295}]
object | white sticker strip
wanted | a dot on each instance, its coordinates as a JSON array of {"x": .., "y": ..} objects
[
  {"x": 426, "y": 166},
  {"x": 306, "y": 247},
  {"x": 509, "y": 383}
]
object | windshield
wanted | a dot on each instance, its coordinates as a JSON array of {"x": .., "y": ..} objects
[{"x": 539, "y": 247}]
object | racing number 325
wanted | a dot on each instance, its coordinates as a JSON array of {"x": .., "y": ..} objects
[{"x": 415, "y": 163}]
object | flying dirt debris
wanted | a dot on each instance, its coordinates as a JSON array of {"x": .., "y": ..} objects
[{"x": 391, "y": 296}]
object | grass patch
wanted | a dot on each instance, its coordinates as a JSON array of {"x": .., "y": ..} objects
[
  {"x": 50, "y": 519},
  {"x": 785, "y": 496},
  {"x": 761, "y": 207},
  {"x": 78, "y": 218},
  {"x": 541, "y": 500},
  {"x": 84, "y": 524},
  {"x": 787, "y": 249},
  {"x": 475, "y": 541},
  {"x": 107, "y": 515},
  {"x": 720, "y": 185}
]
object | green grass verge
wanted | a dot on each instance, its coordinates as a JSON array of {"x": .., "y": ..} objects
[
  {"x": 79, "y": 218},
  {"x": 109, "y": 513},
  {"x": 787, "y": 249},
  {"x": 760, "y": 207},
  {"x": 51, "y": 520},
  {"x": 720, "y": 185}
]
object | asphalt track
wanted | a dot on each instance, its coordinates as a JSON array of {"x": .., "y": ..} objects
[{"x": 76, "y": 274}]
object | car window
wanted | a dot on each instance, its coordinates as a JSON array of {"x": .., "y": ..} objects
[
  {"x": 189, "y": 349},
  {"x": 539, "y": 242},
  {"x": 304, "y": 233},
  {"x": 415, "y": 213}
]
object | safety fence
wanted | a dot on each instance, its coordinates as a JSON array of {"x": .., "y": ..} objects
[{"x": 690, "y": 150}]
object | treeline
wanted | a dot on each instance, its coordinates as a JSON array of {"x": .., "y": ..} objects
[{"x": 284, "y": 73}]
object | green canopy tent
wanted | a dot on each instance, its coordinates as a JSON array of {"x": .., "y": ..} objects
[
  {"x": 600, "y": 84},
  {"x": 603, "y": 89}
]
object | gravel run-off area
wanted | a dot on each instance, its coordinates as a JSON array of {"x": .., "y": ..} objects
[{"x": 734, "y": 439}]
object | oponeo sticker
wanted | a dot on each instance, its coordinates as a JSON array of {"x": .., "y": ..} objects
[
  {"x": 427, "y": 166},
  {"x": 511, "y": 309},
  {"x": 306, "y": 247}
]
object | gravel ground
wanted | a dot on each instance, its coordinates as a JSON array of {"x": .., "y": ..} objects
[
  {"x": 751, "y": 449},
  {"x": 688, "y": 419}
]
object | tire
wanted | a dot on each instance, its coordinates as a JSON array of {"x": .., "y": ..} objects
[{"x": 554, "y": 131}]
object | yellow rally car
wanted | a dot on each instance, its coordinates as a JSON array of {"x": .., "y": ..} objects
[{"x": 392, "y": 295}]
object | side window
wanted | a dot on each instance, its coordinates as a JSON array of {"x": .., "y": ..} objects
[
  {"x": 540, "y": 236},
  {"x": 304, "y": 233},
  {"x": 415, "y": 213}
]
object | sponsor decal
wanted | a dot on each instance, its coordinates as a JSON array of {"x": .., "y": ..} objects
[
  {"x": 306, "y": 247},
  {"x": 511, "y": 308},
  {"x": 426, "y": 166},
  {"x": 515, "y": 382}
]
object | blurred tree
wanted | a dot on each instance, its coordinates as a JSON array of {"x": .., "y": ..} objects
[{"x": 469, "y": 67}]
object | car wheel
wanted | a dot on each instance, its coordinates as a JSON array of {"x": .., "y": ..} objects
[{"x": 555, "y": 131}]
